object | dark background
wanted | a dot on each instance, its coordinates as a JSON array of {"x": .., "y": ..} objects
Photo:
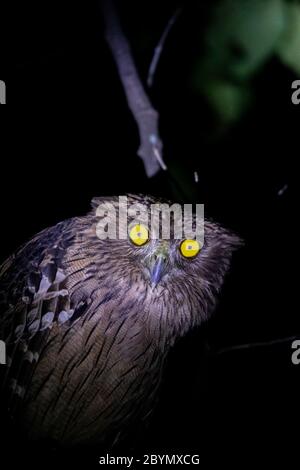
[{"x": 72, "y": 138}]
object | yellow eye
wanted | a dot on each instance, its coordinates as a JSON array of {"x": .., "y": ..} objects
[
  {"x": 139, "y": 235},
  {"x": 190, "y": 248}
]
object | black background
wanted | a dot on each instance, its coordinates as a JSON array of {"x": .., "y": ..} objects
[{"x": 71, "y": 137}]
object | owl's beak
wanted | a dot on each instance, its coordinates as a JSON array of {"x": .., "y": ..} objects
[{"x": 158, "y": 268}]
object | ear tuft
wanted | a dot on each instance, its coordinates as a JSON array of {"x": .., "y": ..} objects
[
  {"x": 96, "y": 201},
  {"x": 232, "y": 240}
]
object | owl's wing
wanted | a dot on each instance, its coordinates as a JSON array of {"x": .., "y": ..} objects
[{"x": 33, "y": 296}]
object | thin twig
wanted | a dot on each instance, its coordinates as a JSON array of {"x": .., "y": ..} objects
[
  {"x": 159, "y": 159},
  {"x": 144, "y": 114},
  {"x": 159, "y": 48},
  {"x": 260, "y": 344}
]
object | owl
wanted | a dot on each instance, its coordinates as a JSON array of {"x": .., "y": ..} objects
[{"x": 88, "y": 322}]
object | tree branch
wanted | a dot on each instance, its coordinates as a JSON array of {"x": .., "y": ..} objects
[
  {"x": 159, "y": 48},
  {"x": 260, "y": 344},
  {"x": 146, "y": 117}
]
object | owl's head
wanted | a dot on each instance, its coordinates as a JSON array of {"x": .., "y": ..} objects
[{"x": 179, "y": 273}]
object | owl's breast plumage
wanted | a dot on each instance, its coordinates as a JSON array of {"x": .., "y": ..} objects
[{"x": 102, "y": 372}]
